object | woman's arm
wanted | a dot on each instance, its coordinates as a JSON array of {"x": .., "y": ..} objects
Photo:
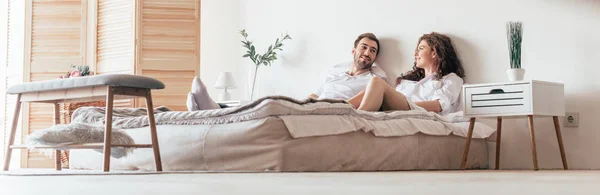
[
  {"x": 432, "y": 106},
  {"x": 446, "y": 96}
]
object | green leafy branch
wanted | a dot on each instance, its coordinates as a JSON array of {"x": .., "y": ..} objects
[
  {"x": 265, "y": 59},
  {"x": 269, "y": 56}
]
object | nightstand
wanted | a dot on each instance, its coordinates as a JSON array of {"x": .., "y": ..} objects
[
  {"x": 233, "y": 103},
  {"x": 522, "y": 98}
]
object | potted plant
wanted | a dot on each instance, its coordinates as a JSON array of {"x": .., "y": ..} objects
[
  {"x": 514, "y": 36},
  {"x": 265, "y": 59}
]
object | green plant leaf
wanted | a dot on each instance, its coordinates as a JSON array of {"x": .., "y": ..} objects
[{"x": 270, "y": 54}]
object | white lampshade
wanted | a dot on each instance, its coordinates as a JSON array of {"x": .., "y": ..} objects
[{"x": 225, "y": 81}]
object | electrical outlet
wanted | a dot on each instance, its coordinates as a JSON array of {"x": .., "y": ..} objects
[{"x": 571, "y": 119}]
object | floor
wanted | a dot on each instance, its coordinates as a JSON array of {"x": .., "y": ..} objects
[{"x": 482, "y": 182}]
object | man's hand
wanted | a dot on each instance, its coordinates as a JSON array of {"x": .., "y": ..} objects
[{"x": 313, "y": 96}]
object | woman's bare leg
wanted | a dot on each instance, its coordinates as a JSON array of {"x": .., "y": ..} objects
[{"x": 380, "y": 95}]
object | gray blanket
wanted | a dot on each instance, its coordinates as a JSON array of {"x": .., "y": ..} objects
[{"x": 127, "y": 118}]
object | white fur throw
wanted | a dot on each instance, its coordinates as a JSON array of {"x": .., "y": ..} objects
[{"x": 79, "y": 133}]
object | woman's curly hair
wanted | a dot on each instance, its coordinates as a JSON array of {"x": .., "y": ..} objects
[{"x": 446, "y": 58}]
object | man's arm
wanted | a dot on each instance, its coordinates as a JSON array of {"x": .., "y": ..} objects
[{"x": 319, "y": 91}]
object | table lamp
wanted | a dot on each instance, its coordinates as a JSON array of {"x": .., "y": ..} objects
[{"x": 225, "y": 81}]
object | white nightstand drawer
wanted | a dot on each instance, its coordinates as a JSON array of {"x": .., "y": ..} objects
[
  {"x": 497, "y": 99},
  {"x": 497, "y": 103},
  {"x": 496, "y": 89},
  {"x": 488, "y": 99},
  {"x": 514, "y": 98},
  {"x": 498, "y": 96}
]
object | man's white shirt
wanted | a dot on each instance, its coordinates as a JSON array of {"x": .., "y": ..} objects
[{"x": 340, "y": 85}]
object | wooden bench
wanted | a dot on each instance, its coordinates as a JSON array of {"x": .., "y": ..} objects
[{"x": 107, "y": 87}]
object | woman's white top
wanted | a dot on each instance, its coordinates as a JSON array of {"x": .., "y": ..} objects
[{"x": 447, "y": 90}]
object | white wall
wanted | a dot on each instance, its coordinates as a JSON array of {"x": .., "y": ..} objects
[
  {"x": 13, "y": 68},
  {"x": 3, "y": 47},
  {"x": 561, "y": 39},
  {"x": 219, "y": 44}
]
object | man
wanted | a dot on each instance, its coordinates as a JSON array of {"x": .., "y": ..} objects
[
  {"x": 355, "y": 76},
  {"x": 340, "y": 84}
]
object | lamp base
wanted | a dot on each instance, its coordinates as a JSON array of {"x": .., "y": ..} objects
[{"x": 224, "y": 96}]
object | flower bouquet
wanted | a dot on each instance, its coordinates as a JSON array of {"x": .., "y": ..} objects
[{"x": 77, "y": 71}]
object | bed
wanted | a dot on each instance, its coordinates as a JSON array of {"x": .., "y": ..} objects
[{"x": 285, "y": 135}]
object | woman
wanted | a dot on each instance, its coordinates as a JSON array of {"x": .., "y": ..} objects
[{"x": 434, "y": 84}]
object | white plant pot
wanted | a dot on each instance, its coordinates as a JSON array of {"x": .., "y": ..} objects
[{"x": 515, "y": 74}]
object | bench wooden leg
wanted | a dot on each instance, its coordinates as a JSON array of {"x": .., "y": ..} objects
[
  {"x": 533, "y": 148},
  {"x": 463, "y": 166},
  {"x": 11, "y": 135},
  {"x": 57, "y": 160},
  {"x": 560, "y": 142},
  {"x": 153, "y": 133},
  {"x": 108, "y": 127}
]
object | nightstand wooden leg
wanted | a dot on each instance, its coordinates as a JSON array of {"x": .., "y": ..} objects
[
  {"x": 560, "y": 142},
  {"x": 463, "y": 166},
  {"x": 533, "y": 151},
  {"x": 498, "y": 140}
]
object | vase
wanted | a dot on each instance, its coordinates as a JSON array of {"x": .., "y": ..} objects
[
  {"x": 253, "y": 82},
  {"x": 515, "y": 74}
]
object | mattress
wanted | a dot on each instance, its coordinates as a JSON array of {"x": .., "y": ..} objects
[{"x": 267, "y": 145}]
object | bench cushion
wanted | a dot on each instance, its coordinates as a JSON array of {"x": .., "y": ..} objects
[{"x": 120, "y": 80}]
